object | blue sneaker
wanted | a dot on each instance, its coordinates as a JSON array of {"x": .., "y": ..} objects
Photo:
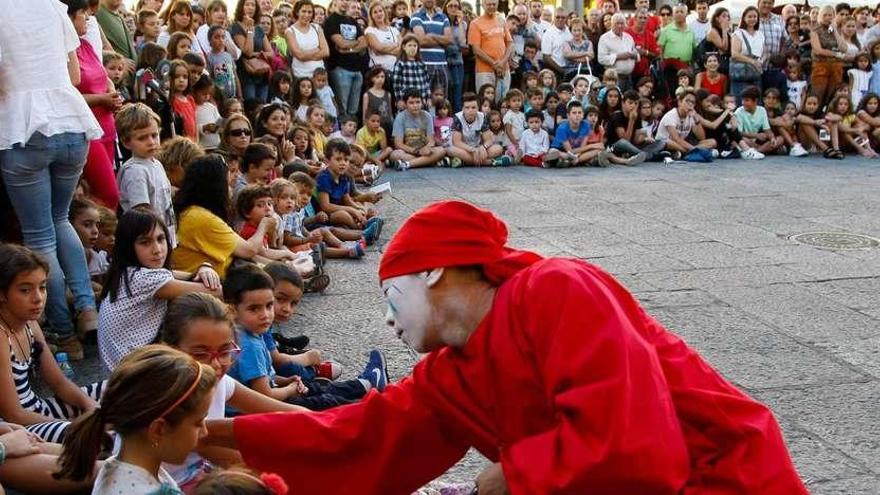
[{"x": 376, "y": 372}]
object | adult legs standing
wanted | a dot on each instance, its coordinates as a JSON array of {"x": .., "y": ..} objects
[
  {"x": 40, "y": 178},
  {"x": 456, "y": 86},
  {"x": 347, "y": 86}
]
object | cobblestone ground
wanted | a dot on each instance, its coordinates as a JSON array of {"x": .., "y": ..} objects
[{"x": 706, "y": 249}]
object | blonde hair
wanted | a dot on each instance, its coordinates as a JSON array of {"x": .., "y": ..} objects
[
  {"x": 133, "y": 117},
  {"x": 179, "y": 152}
]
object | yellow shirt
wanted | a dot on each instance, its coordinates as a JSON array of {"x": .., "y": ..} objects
[
  {"x": 203, "y": 237},
  {"x": 320, "y": 141},
  {"x": 370, "y": 141}
]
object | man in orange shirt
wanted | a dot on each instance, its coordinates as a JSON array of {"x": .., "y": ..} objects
[{"x": 492, "y": 44}]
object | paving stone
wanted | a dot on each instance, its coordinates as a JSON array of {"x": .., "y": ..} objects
[
  {"x": 845, "y": 416},
  {"x": 800, "y": 313},
  {"x": 664, "y": 299},
  {"x": 707, "y": 278},
  {"x": 712, "y": 254},
  {"x": 859, "y": 485},
  {"x": 860, "y": 293}
]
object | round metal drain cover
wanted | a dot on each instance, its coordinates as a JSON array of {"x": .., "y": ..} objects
[{"x": 836, "y": 240}]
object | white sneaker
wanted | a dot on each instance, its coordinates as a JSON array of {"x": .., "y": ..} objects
[
  {"x": 798, "y": 150},
  {"x": 715, "y": 153},
  {"x": 752, "y": 154}
]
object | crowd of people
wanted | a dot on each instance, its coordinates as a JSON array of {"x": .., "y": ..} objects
[{"x": 164, "y": 158}]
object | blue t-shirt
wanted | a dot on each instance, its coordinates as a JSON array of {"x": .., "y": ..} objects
[
  {"x": 564, "y": 133},
  {"x": 336, "y": 190},
  {"x": 254, "y": 361},
  {"x": 269, "y": 340},
  {"x": 432, "y": 24}
]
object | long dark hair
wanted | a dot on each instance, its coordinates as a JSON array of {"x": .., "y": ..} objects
[
  {"x": 715, "y": 16},
  {"x": 239, "y": 11},
  {"x": 133, "y": 224},
  {"x": 205, "y": 185},
  {"x": 742, "y": 22}
]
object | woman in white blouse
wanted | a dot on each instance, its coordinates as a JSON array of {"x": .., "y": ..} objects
[
  {"x": 45, "y": 126},
  {"x": 217, "y": 15},
  {"x": 383, "y": 40},
  {"x": 306, "y": 43},
  {"x": 747, "y": 47}
]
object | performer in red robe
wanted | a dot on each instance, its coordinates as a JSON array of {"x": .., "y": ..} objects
[{"x": 548, "y": 366}]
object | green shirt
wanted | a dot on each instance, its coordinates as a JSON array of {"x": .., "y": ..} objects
[
  {"x": 677, "y": 43},
  {"x": 752, "y": 123},
  {"x": 116, "y": 32}
]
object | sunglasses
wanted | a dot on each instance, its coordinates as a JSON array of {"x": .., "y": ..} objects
[
  {"x": 240, "y": 132},
  {"x": 664, "y": 14}
]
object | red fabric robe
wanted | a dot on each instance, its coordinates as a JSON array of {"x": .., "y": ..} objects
[{"x": 567, "y": 382}]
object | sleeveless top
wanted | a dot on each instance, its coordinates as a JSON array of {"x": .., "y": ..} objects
[
  {"x": 306, "y": 41},
  {"x": 827, "y": 40},
  {"x": 715, "y": 88},
  {"x": 381, "y": 105},
  {"x": 28, "y": 399}
]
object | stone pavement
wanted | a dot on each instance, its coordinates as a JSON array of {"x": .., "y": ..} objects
[{"x": 705, "y": 248}]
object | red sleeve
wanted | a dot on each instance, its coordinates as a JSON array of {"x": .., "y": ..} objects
[
  {"x": 616, "y": 429},
  {"x": 389, "y": 443}
]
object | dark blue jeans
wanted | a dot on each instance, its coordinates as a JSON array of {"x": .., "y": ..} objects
[{"x": 456, "y": 86}]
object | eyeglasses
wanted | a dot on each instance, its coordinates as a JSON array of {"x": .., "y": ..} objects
[
  {"x": 240, "y": 132},
  {"x": 224, "y": 357}
]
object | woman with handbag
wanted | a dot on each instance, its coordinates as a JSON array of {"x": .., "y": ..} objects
[
  {"x": 746, "y": 53},
  {"x": 253, "y": 68}
]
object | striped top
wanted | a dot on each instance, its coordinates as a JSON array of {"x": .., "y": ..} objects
[
  {"x": 432, "y": 24},
  {"x": 20, "y": 376}
]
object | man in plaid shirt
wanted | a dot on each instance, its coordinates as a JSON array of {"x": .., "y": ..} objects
[{"x": 772, "y": 27}]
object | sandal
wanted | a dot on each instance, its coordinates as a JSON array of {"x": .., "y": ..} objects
[{"x": 317, "y": 283}]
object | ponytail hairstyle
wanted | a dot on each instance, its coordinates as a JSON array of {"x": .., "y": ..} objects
[
  {"x": 153, "y": 383},
  {"x": 133, "y": 224},
  {"x": 186, "y": 309}
]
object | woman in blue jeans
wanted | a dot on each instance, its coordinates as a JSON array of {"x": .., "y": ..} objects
[
  {"x": 454, "y": 57},
  {"x": 45, "y": 126}
]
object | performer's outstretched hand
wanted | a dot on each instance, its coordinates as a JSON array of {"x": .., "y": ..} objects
[{"x": 491, "y": 481}]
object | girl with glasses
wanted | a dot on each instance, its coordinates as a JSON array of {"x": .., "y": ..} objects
[{"x": 198, "y": 325}]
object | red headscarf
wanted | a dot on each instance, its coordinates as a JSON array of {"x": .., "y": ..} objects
[{"x": 453, "y": 233}]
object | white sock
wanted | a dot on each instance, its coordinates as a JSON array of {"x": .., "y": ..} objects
[{"x": 366, "y": 383}]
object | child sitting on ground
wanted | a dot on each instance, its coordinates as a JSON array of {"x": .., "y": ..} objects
[
  {"x": 811, "y": 122},
  {"x": 315, "y": 218},
  {"x": 157, "y": 395},
  {"x": 514, "y": 120},
  {"x": 868, "y": 117},
  {"x": 142, "y": 179},
  {"x": 289, "y": 200},
  {"x": 471, "y": 140},
  {"x": 569, "y": 146},
  {"x": 254, "y": 204},
  {"x": 534, "y": 142},
  {"x": 782, "y": 123},
  {"x": 373, "y": 139},
  {"x": 139, "y": 285},
  {"x": 855, "y": 136},
  {"x": 250, "y": 292},
  {"x": 257, "y": 166},
  {"x": 754, "y": 125},
  {"x": 334, "y": 194},
  {"x": 85, "y": 218},
  {"x": 500, "y": 139},
  {"x": 347, "y": 130},
  {"x": 26, "y": 355},
  {"x": 198, "y": 325}
]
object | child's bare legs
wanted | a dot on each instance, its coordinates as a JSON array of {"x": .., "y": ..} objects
[
  {"x": 809, "y": 136},
  {"x": 587, "y": 156},
  {"x": 379, "y": 158},
  {"x": 343, "y": 218},
  {"x": 771, "y": 146},
  {"x": 787, "y": 136},
  {"x": 344, "y": 234}
]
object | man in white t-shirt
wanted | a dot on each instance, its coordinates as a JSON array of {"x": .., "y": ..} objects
[
  {"x": 553, "y": 40},
  {"x": 680, "y": 130},
  {"x": 700, "y": 24},
  {"x": 536, "y": 10}
]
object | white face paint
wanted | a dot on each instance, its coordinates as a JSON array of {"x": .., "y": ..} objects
[{"x": 409, "y": 312}]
